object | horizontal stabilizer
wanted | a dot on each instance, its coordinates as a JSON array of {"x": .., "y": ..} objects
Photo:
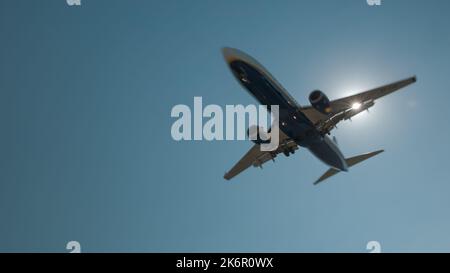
[{"x": 350, "y": 162}]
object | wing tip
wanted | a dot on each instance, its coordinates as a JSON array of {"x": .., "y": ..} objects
[{"x": 377, "y": 152}]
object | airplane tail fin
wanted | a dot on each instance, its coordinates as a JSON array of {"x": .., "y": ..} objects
[{"x": 350, "y": 162}]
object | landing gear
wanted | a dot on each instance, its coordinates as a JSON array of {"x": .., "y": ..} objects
[{"x": 288, "y": 152}]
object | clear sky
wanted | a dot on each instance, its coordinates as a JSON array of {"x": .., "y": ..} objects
[{"x": 86, "y": 151}]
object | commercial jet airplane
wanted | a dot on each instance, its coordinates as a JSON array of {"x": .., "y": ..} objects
[{"x": 308, "y": 126}]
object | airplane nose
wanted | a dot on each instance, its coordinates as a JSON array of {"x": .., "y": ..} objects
[
  {"x": 230, "y": 54},
  {"x": 226, "y": 50}
]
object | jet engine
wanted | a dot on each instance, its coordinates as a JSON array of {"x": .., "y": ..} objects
[
  {"x": 258, "y": 135},
  {"x": 320, "y": 101}
]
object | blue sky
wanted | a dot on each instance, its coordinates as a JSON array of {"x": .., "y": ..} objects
[{"x": 85, "y": 100}]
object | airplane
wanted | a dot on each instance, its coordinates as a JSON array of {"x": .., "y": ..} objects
[{"x": 309, "y": 126}]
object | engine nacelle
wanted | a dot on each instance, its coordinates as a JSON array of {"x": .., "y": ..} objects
[
  {"x": 258, "y": 135},
  {"x": 320, "y": 102}
]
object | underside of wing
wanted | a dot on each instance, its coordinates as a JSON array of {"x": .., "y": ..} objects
[
  {"x": 371, "y": 95},
  {"x": 313, "y": 115},
  {"x": 346, "y": 108},
  {"x": 256, "y": 158},
  {"x": 246, "y": 161}
]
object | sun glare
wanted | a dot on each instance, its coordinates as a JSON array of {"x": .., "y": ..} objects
[{"x": 356, "y": 105}]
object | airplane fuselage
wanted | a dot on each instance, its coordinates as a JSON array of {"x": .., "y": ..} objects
[{"x": 263, "y": 86}]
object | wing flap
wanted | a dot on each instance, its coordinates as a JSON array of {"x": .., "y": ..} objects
[{"x": 256, "y": 158}]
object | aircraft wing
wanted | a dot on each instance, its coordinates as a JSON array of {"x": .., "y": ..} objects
[
  {"x": 255, "y": 157},
  {"x": 342, "y": 109},
  {"x": 371, "y": 95}
]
